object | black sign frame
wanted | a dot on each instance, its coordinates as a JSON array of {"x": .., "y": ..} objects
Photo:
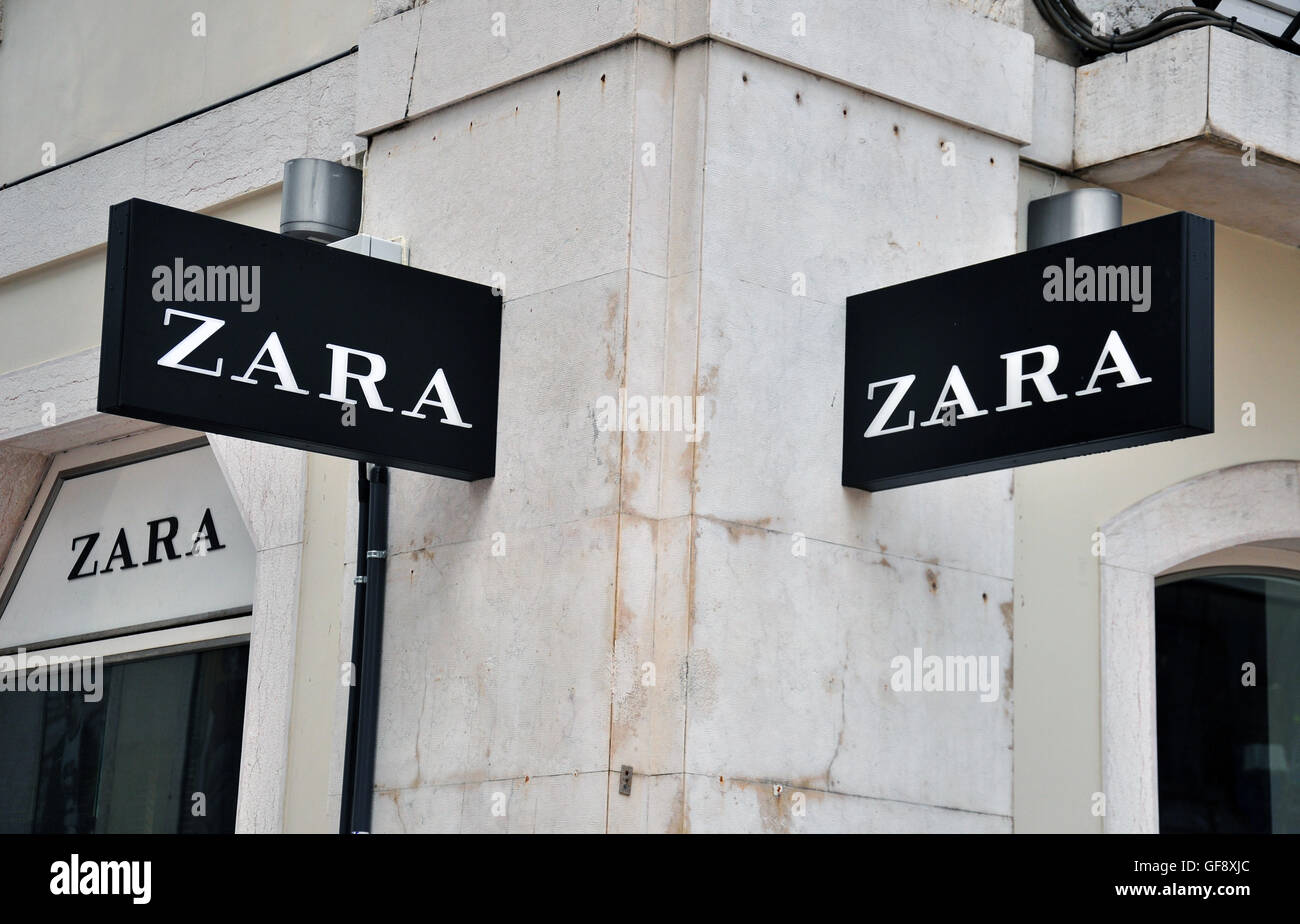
[
  {"x": 321, "y": 303},
  {"x": 970, "y": 317}
]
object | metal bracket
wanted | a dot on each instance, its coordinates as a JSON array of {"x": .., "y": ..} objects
[
  {"x": 393, "y": 251},
  {"x": 625, "y": 781},
  {"x": 359, "y": 579},
  {"x": 377, "y": 553}
]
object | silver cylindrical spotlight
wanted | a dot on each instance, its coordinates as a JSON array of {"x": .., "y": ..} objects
[
  {"x": 1072, "y": 214},
  {"x": 320, "y": 201}
]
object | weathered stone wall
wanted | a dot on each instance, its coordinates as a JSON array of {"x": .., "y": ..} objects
[{"x": 687, "y": 222}]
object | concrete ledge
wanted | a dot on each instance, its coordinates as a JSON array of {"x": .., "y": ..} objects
[
  {"x": 985, "y": 81},
  {"x": 1149, "y": 98},
  {"x": 922, "y": 53},
  {"x": 1177, "y": 121},
  {"x": 439, "y": 54},
  {"x": 1053, "y": 131},
  {"x": 212, "y": 158},
  {"x": 67, "y": 388}
]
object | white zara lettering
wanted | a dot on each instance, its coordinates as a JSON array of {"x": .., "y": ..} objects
[
  {"x": 272, "y": 358},
  {"x": 956, "y": 393},
  {"x": 961, "y": 398},
  {"x": 279, "y": 366},
  {"x": 1114, "y": 348},
  {"x": 1016, "y": 376},
  {"x": 892, "y": 401},
  {"x": 172, "y": 359},
  {"x": 445, "y": 401},
  {"x": 339, "y": 376}
]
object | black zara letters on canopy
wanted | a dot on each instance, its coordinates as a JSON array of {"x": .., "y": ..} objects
[
  {"x": 1097, "y": 343},
  {"x": 228, "y": 329}
]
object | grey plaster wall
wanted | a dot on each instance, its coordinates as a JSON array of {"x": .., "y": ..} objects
[{"x": 92, "y": 73}]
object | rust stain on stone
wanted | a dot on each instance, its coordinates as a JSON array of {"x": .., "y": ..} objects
[
  {"x": 611, "y": 309},
  {"x": 611, "y": 320},
  {"x": 643, "y": 446},
  {"x": 679, "y": 822},
  {"x": 708, "y": 380},
  {"x": 736, "y": 531},
  {"x": 776, "y": 800},
  {"x": 932, "y": 579},
  {"x": 686, "y": 466},
  {"x": 631, "y": 480},
  {"x": 773, "y": 813}
]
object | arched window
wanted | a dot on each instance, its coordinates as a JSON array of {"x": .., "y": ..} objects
[{"x": 1228, "y": 700}]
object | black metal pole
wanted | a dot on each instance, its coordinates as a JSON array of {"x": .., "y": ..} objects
[
  {"x": 358, "y": 633},
  {"x": 372, "y": 650}
]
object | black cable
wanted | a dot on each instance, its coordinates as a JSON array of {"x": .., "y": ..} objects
[{"x": 1066, "y": 18}]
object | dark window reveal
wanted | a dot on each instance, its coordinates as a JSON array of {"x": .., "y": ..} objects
[
  {"x": 1228, "y": 704},
  {"x": 163, "y": 730}
]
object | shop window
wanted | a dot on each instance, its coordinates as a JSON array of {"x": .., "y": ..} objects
[
  {"x": 124, "y": 618},
  {"x": 1228, "y": 702},
  {"x": 155, "y": 749}
]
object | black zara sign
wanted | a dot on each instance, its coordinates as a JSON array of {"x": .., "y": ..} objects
[
  {"x": 227, "y": 329},
  {"x": 1097, "y": 343}
]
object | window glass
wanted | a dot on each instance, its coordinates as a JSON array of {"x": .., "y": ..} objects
[
  {"x": 1228, "y": 704},
  {"x": 155, "y": 749}
]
